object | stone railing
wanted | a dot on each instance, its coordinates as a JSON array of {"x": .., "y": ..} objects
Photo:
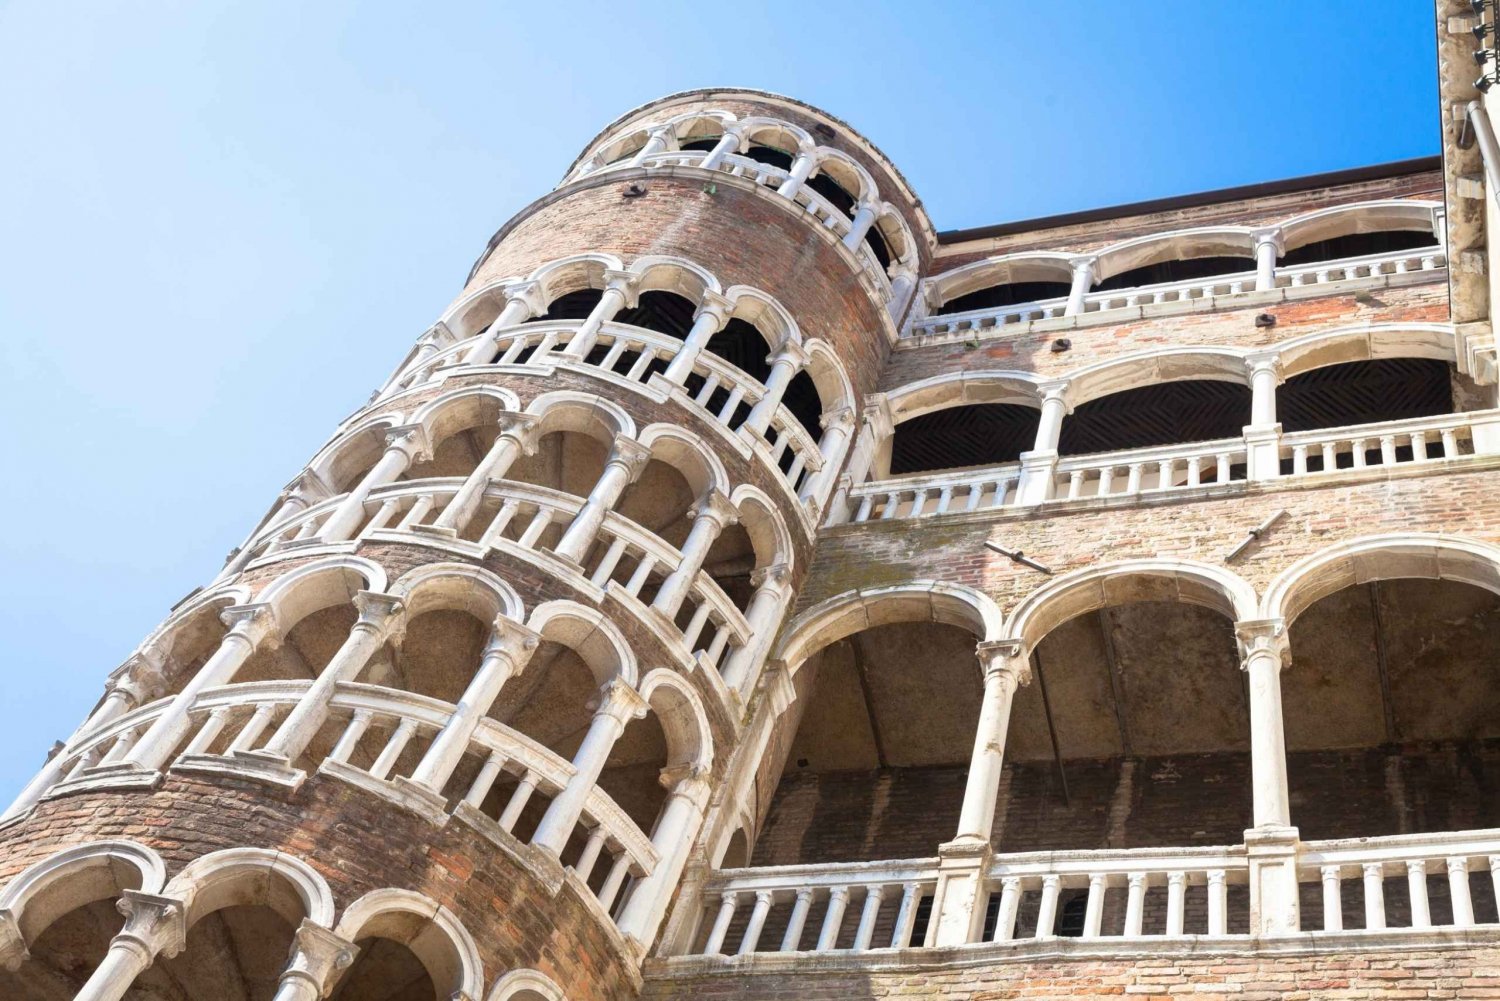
[
  {"x": 1199, "y": 897},
  {"x": 374, "y": 737},
  {"x": 721, "y": 391},
  {"x": 1306, "y": 279},
  {"x": 822, "y": 211},
  {"x": 1177, "y": 469},
  {"x": 531, "y": 519}
]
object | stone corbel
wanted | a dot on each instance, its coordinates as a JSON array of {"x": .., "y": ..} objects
[{"x": 13, "y": 951}]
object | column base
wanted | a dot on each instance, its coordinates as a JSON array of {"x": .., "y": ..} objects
[
  {"x": 441, "y": 531},
  {"x": 422, "y": 799},
  {"x": 1271, "y": 851},
  {"x": 959, "y": 901},
  {"x": 258, "y": 766},
  {"x": 119, "y": 775}
]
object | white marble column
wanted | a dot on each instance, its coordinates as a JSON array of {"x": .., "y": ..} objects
[
  {"x": 154, "y": 925},
  {"x": 676, "y": 826},
  {"x": 619, "y": 292},
  {"x": 711, "y": 514},
  {"x": 658, "y": 140},
  {"x": 802, "y": 168},
  {"x": 838, "y": 427},
  {"x": 523, "y": 300},
  {"x": 317, "y": 955},
  {"x": 1006, "y": 667},
  {"x": 404, "y": 445},
  {"x": 618, "y": 705},
  {"x": 713, "y": 312},
  {"x": 249, "y": 627},
  {"x": 763, "y": 614},
  {"x": 728, "y": 143},
  {"x": 510, "y": 648},
  {"x": 1039, "y": 465},
  {"x": 517, "y": 437},
  {"x": 1264, "y": 649},
  {"x": 627, "y": 458},
  {"x": 864, "y": 218},
  {"x": 380, "y": 616},
  {"x": 1263, "y": 434},
  {"x": 1268, "y": 247},
  {"x": 1083, "y": 281},
  {"x": 788, "y": 360}
]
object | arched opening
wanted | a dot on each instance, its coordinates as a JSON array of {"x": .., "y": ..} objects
[
  {"x": 1365, "y": 392},
  {"x": 1166, "y": 413},
  {"x": 957, "y": 437},
  {"x": 235, "y": 953},
  {"x": 1337, "y": 248},
  {"x": 1011, "y": 294},
  {"x": 1391, "y": 708},
  {"x": 574, "y": 305},
  {"x": 1177, "y": 270},
  {"x": 771, "y": 156},
  {"x": 385, "y": 970},
  {"x": 188, "y": 645}
]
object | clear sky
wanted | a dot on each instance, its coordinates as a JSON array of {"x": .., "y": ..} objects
[{"x": 222, "y": 224}]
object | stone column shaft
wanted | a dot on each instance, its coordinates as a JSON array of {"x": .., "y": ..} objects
[
  {"x": 1005, "y": 669},
  {"x": 619, "y": 703},
  {"x": 625, "y": 462}
]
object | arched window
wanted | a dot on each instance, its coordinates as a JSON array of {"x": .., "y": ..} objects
[{"x": 1167, "y": 413}]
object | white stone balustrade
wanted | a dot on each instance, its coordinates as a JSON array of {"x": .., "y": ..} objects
[
  {"x": 1142, "y": 470},
  {"x": 1299, "y": 280},
  {"x": 935, "y": 493},
  {"x": 1390, "y": 443},
  {"x": 530, "y": 518},
  {"x": 722, "y": 391}
]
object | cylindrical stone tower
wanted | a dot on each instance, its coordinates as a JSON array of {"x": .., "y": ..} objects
[{"x": 450, "y": 721}]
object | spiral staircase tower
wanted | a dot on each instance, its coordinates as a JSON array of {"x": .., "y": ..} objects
[{"x": 457, "y": 708}]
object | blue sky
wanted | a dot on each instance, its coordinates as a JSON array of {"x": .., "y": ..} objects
[{"x": 222, "y": 224}]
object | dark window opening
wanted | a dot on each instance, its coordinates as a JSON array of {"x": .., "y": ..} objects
[
  {"x": 1169, "y": 413},
  {"x": 571, "y": 306},
  {"x": 833, "y": 192},
  {"x": 1365, "y": 392},
  {"x": 1177, "y": 271},
  {"x": 801, "y": 398},
  {"x": 1071, "y": 914},
  {"x": 664, "y": 312},
  {"x": 1014, "y": 294},
  {"x": 704, "y": 145},
  {"x": 975, "y": 435},
  {"x": 920, "y": 921},
  {"x": 770, "y": 156},
  {"x": 1358, "y": 245},
  {"x": 875, "y": 240},
  {"x": 991, "y": 918}
]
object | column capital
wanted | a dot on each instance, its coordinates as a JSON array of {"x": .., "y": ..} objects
[
  {"x": 619, "y": 701},
  {"x": 1083, "y": 262},
  {"x": 409, "y": 439},
  {"x": 780, "y": 690},
  {"x": 154, "y": 923},
  {"x": 520, "y": 427},
  {"x": 716, "y": 507},
  {"x": 1262, "y": 637},
  {"x": 877, "y": 416},
  {"x": 317, "y": 954},
  {"x": 308, "y": 486},
  {"x": 627, "y": 283},
  {"x": 843, "y": 417},
  {"x": 439, "y": 335},
  {"x": 1008, "y": 657},
  {"x": 688, "y": 781},
  {"x": 13, "y": 951},
  {"x": 775, "y": 577},
  {"x": 1272, "y": 235},
  {"x": 530, "y": 294},
  {"x": 142, "y": 673},
  {"x": 1264, "y": 361},
  {"x": 380, "y": 613},
  {"x": 512, "y": 639},
  {"x": 629, "y": 454},
  {"x": 791, "y": 352},
  {"x": 255, "y": 622},
  {"x": 715, "y": 305},
  {"x": 1057, "y": 389}
]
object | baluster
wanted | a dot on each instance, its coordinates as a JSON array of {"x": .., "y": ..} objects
[
  {"x": 1402, "y": 264},
  {"x": 945, "y": 497},
  {"x": 309, "y": 527},
  {"x": 726, "y": 412},
  {"x": 1221, "y": 468},
  {"x": 614, "y": 881},
  {"x": 539, "y": 523},
  {"x": 517, "y": 345},
  {"x": 85, "y": 761},
  {"x": 259, "y": 720},
  {"x": 1166, "y": 474},
  {"x": 1418, "y": 446},
  {"x": 1458, "y": 890},
  {"x": 417, "y": 513},
  {"x": 1135, "y": 903},
  {"x": 1493, "y": 861},
  {"x": 716, "y": 648},
  {"x": 209, "y": 732},
  {"x": 1299, "y": 460},
  {"x": 867, "y": 916},
  {"x": 1429, "y": 261},
  {"x": 1358, "y": 446},
  {"x": 833, "y": 918},
  {"x": 121, "y": 746},
  {"x": 606, "y": 568},
  {"x": 706, "y": 391},
  {"x": 1133, "y": 481},
  {"x": 1010, "y": 905},
  {"x": 757, "y": 923},
  {"x": 892, "y": 499},
  {"x": 792, "y": 940},
  {"x": 976, "y": 493},
  {"x": 643, "y": 569},
  {"x": 795, "y": 472},
  {"x": 783, "y": 442},
  {"x": 863, "y": 513},
  {"x": 1046, "y": 915},
  {"x": 1450, "y": 443},
  {"x": 1235, "y": 288},
  {"x": 1093, "y": 914},
  {"x": 485, "y": 780},
  {"x": 727, "y": 905},
  {"x": 906, "y": 916},
  {"x": 1106, "y": 480},
  {"x": 918, "y": 502},
  {"x": 584, "y": 867},
  {"x": 1075, "y": 484},
  {"x": 1330, "y": 456},
  {"x": 1321, "y": 276},
  {"x": 1195, "y": 471},
  {"x": 400, "y": 737},
  {"x": 638, "y": 371},
  {"x": 388, "y": 509},
  {"x": 1416, "y": 888},
  {"x": 349, "y": 739},
  {"x": 519, "y": 797},
  {"x": 1218, "y": 903},
  {"x": 1387, "y": 450},
  {"x": 612, "y": 356},
  {"x": 1374, "y": 896},
  {"x": 1333, "y": 903},
  {"x": 695, "y": 624},
  {"x": 1176, "y": 895},
  {"x": 1002, "y": 488},
  {"x": 545, "y": 345},
  {"x": 496, "y": 529}
]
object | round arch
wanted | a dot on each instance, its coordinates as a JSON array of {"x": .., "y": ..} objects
[
  {"x": 685, "y": 452},
  {"x": 1178, "y": 245},
  {"x": 461, "y": 409},
  {"x": 434, "y": 935},
  {"x": 590, "y": 634},
  {"x": 525, "y": 985},
  {"x": 472, "y": 589},
  {"x": 1010, "y": 269},
  {"x": 582, "y": 413},
  {"x": 74, "y": 877},
  {"x": 679, "y": 710},
  {"x": 762, "y": 522},
  {"x": 317, "y": 585},
  {"x": 257, "y": 876},
  {"x": 1361, "y": 217},
  {"x": 673, "y": 274},
  {"x": 1365, "y": 343},
  {"x": 573, "y": 274}
]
